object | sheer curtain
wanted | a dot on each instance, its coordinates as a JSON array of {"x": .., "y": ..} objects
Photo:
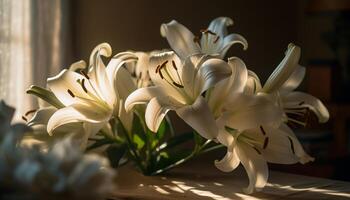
[{"x": 34, "y": 44}]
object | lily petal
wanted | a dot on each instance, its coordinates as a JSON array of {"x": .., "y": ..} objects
[
  {"x": 155, "y": 113},
  {"x": 294, "y": 80},
  {"x": 294, "y": 99},
  {"x": 64, "y": 81},
  {"x": 180, "y": 39},
  {"x": 98, "y": 75},
  {"x": 284, "y": 70},
  {"x": 67, "y": 115},
  {"x": 295, "y": 145},
  {"x": 42, "y": 116},
  {"x": 80, "y": 65},
  {"x": 144, "y": 95},
  {"x": 253, "y": 84},
  {"x": 229, "y": 162},
  {"x": 199, "y": 117},
  {"x": 211, "y": 72},
  {"x": 219, "y": 25},
  {"x": 255, "y": 166},
  {"x": 234, "y": 84},
  {"x": 250, "y": 111},
  {"x": 230, "y": 40}
]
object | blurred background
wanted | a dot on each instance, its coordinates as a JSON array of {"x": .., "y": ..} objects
[{"x": 38, "y": 38}]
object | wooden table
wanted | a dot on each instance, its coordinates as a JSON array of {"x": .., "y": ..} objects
[{"x": 204, "y": 182}]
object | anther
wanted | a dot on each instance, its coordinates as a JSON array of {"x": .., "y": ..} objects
[
  {"x": 83, "y": 86},
  {"x": 174, "y": 65},
  {"x": 262, "y": 130},
  {"x": 266, "y": 142},
  {"x": 257, "y": 150},
  {"x": 70, "y": 93},
  {"x": 157, "y": 69},
  {"x": 84, "y": 74},
  {"x": 29, "y": 112},
  {"x": 160, "y": 73},
  {"x": 301, "y": 103},
  {"x": 291, "y": 145},
  {"x": 163, "y": 65},
  {"x": 178, "y": 85},
  {"x": 216, "y": 39},
  {"x": 24, "y": 118}
]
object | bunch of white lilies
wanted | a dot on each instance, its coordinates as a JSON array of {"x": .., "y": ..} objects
[{"x": 124, "y": 105}]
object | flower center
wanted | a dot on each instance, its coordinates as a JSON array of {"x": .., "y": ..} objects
[
  {"x": 298, "y": 115},
  {"x": 205, "y": 33}
]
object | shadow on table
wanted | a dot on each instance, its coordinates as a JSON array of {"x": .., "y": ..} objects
[{"x": 207, "y": 184}]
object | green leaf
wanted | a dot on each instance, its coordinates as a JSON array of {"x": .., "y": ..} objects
[
  {"x": 116, "y": 152},
  {"x": 138, "y": 141},
  {"x": 45, "y": 95}
]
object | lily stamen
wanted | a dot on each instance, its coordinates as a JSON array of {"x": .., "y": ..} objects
[
  {"x": 291, "y": 145},
  {"x": 266, "y": 142},
  {"x": 70, "y": 93},
  {"x": 29, "y": 112},
  {"x": 262, "y": 130},
  {"x": 24, "y": 118},
  {"x": 216, "y": 39},
  {"x": 84, "y": 74},
  {"x": 83, "y": 86}
]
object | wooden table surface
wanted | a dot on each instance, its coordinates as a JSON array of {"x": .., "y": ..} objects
[{"x": 198, "y": 180}]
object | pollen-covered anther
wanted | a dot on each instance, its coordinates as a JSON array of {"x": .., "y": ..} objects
[
  {"x": 29, "y": 112},
  {"x": 216, "y": 39},
  {"x": 84, "y": 74},
  {"x": 174, "y": 65},
  {"x": 83, "y": 86},
  {"x": 178, "y": 85},
  {"x": 24, "y": 118},
  {"x": 291, "y": 145},
  {"x": 266, "y": 142},
  {"x": 70, "y": 93}
]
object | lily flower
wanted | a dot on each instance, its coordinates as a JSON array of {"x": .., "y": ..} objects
[
  {"x": 95, "y": 96},
  {"x": 255, "y": 147},
  {"x": 179, "y": 86},
  {"x": 214, "y": 40},
  {"x": 281, "y": 84}
]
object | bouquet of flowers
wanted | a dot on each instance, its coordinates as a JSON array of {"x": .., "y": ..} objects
[{"x": 120, "y": 109}]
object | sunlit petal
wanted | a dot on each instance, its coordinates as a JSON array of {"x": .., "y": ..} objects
[
  {"x": 284, "y": 70},
  {"x": 199, "y": 117},
  {"x": 255, "y": 166},
  {"x": 180, "y": 39},
  {"x": 229, "y": 162},
  {"x": 42, "y": 116},
  {"x": 294, "y": 80}
]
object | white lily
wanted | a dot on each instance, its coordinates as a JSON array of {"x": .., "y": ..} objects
[
  {"x": 93, "y": 97},
  {"x": 281, "y": 84},
  {"x": 179, "y": 86},
  {"x": 214, "y": 41},
  {"x": 255, "y": 147}
]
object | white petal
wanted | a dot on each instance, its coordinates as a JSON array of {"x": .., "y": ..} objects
[
  {"x": 80, "y": 65},
  {"x": 64, "y": 81},
  {"x": 199, "y": 117},
  {"x": 284, "y": 70},
  {"x": 255, "y": 166},
  {"x": 161, "y": 77},
  {"x": 294, "y": 99},
  {"x": 219, "y": 25},
  {"x": 294, "y": 80},
  {"x": 224, "y": 137},
  {"x": 253, "y": 84},
  {"x": 180, "y": 39},
  {"x": 229, "y": 162},
  {"x": 230, "y": 40},
  {"x": 98, "y": 75},
  {"x": 155, "y": 113},
  {"x": 67, "y": 115},
  {"x": 125, "y": 117},
  {"x": 295, "y": 144},
  {"x": 229, "y": 86},
  {"x": 277, "y": 149},
  {"x": 144, "y": 95},
  {"x": 246, "y": 112},
  {"x": 211, "y": 72},
  {"x": 42, "y": 116}
]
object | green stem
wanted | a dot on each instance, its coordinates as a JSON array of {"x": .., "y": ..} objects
[
  {"x": 131, "y": 148},
  {"x": 197, "y": 151}
]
